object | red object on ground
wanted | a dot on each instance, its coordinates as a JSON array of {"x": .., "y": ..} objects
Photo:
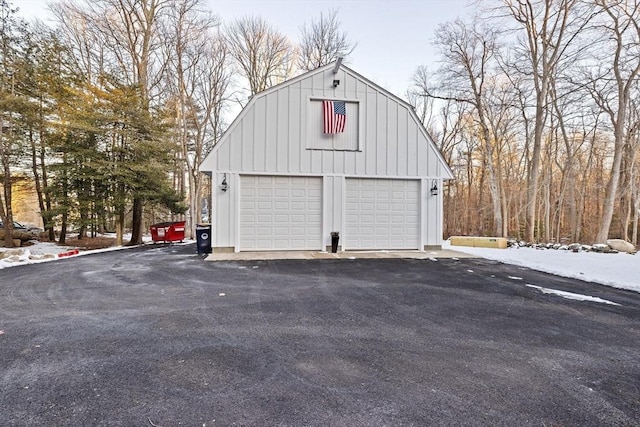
[
  {"x": 168, "y": 231},
  {"x": 69, "y": 253}
]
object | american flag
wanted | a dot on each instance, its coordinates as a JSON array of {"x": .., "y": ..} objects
[{"x": 335, "y": 116}]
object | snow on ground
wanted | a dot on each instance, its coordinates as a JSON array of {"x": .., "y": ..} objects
[
  {"x": 571, "y": 295},
  {"x": 47, "y": 251},
  {"x": 617, "y": 270}
]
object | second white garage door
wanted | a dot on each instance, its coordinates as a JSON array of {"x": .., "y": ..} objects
[
  {"x": 280, "y": 213},
  {"x": 382, "y": 214}
]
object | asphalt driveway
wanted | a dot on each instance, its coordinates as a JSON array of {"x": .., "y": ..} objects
[{"x": 156, "y": 336}]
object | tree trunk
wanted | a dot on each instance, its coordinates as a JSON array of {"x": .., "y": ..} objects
[
  {"x": 496, "y": 200},
  {"x": 636, "y": 219},
  {"x": 36, "y": 179},
  {"x": 65, "y": 200},
  {"x": 612, "y": 187},
  {"x": 136, "y": 222},
  {"x": 47, "y": 198},
  {"x": 547, "y": 208},
  {"x": 120, "y": 227},
  {"x": 534, "y": 174},
  {"x": 6, "y": 213}
]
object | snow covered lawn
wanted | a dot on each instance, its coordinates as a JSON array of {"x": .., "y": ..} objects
[
  {"x": 49, "y": 251},
  {"x": 619, "y": 270}
]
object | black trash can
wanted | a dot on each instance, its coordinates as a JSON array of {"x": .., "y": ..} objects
[
  {"x": 335, "y": 237},
  {"x": 203, "y": 237}
]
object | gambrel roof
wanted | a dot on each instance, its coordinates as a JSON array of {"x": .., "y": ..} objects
[{"x": 272, "y": 132}]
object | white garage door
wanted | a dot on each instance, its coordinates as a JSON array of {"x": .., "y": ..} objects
[
  {"x": 382, "y": 214},
  {"x": 280, "y": 213}
]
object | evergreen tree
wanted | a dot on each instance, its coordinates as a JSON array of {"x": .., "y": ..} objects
[{"x": 14, "y": 108}]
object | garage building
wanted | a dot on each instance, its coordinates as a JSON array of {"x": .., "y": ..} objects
[{"x": 327, "y": 151}]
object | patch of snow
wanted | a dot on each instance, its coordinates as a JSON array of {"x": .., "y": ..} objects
[
  {"x": 48, "y": 251},
  {"x": 618, "y": 270},
  {"x": 571, "y": 295}
]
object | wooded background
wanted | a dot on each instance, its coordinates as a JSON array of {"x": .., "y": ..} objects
[{"x": 535, "y": 105}]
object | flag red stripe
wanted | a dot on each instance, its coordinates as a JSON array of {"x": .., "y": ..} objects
[
  {"x": 328, "y": 116},
  {"x": 340, "y": 119}
]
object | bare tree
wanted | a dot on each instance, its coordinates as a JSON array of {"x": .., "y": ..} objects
[
  {"x": 88, "y": 45},
  {"x": 469, "y": 51},
  {"x": 322, "y": 42},
  {"x": 572, "y": 130},
  {"x": 631, "y": 211},
  {"x": 621, "y": 22},
  {"x": 549, "y": 29},
  {"x": 198, "y": 79},
  {"x": 417, "y": 95},
  {"x": 264, "y": 56}
]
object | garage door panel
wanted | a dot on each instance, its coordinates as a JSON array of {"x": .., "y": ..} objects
[
  {"x": 284, "y": 244},
  {"x": 382, "y": 219},
  {"x": 365, "y": 218},
  {"x": 399, "y": 220},
  {"x": 279, "y": 180},
  {"x": 282, "y": 205},
  {"x": 264, "y": 218},
  {"x": 280, "y": 213},
  {"x": 281, "y": 218},
  {"x": 298, "y": 231},
  {"x": 297, "y": 219},
  {"x": 382, "y": 214}
]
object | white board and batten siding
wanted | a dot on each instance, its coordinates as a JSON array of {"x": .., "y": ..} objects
[{"x": 279, "y": 134}]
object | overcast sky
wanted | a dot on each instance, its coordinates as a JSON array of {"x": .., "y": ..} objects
[{"x": 394, "y": 37}]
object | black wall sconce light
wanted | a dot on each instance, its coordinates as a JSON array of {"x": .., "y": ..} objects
[
  {"x": 434, "y": 187},
  {"x": 223, "y": 185},
  {"x": 336, "y": 83}
]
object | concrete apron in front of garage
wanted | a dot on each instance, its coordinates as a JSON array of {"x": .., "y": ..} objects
[{"x": 273, "y": 255}]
